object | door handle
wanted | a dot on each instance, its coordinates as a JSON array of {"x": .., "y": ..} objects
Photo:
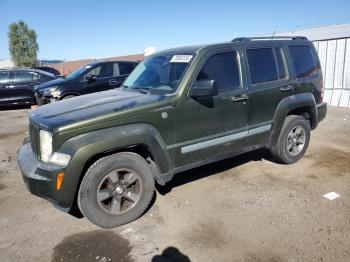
[
  {"x": 239, "y": 98},
  {"x": 113, "y": 82},
  {"x": 286, "y": 88}
]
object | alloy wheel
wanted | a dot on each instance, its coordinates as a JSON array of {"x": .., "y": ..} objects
[{"x": 119, "y": 191}]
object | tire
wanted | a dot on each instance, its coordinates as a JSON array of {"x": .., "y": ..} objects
[
  {"x": 289, "y": 148},
  {"x": 68, "y": 96},
  {"x": 98, "y": 182}
]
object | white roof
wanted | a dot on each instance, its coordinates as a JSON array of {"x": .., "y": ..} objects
[{"x": 320, "y": 33}]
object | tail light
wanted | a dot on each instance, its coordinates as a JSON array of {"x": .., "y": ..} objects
[{"x": 321, "y": 90}]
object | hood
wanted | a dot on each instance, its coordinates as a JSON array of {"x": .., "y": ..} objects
[
  {"x": 94, "y": 109},
  {"x": 55, "y": 82}
]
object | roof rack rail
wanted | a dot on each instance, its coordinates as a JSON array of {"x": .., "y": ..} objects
[{"x": 241, "y": 39}]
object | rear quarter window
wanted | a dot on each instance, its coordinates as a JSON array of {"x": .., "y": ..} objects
[{"x": 303, "y": 60}]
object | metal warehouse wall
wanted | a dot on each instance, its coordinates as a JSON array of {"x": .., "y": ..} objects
[{"x": 335, "y": 63}]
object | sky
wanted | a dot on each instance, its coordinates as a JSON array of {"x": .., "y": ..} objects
[{"x": 97, "y": 29}]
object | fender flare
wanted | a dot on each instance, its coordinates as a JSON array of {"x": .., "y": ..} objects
[
  {"x": 289, "y": 104},
  {"x": 84, "y": 147}
]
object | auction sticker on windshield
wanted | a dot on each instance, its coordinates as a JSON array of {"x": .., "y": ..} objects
[{"x": 181, "y": 58}]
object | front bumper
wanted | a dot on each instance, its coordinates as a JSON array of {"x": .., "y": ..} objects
[
  {"x": 39, "y": 177},
  {"x": 321, "y": 111},
  {"x": 43, "y": 100}
]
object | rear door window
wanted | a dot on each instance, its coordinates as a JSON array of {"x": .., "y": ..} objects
[
  {"x": 262, "y": 65},
  {"x": 223, "y": 68},
  {"x": 303, "y": 60}
]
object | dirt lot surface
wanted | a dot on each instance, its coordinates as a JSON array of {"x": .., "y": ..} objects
[{"x": 245, "y": 208}]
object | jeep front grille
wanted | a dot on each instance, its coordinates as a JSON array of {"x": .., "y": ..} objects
[{"x": 34, "y": 139}]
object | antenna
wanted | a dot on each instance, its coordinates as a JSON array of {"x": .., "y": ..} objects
[{"x": 273, "y": 34}]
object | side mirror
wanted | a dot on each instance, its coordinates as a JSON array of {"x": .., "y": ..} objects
[
  {"x": 204, "y": 88},
  {"x": 91, "y": 78}
]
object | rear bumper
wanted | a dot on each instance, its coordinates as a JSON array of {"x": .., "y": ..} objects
[
  {"x": 39, "y": 177},
  {"x": 321, "y": 111}
]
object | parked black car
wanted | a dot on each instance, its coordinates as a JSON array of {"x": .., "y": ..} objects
[
  {"x": 48, "y": 69},
  {"x": 17, "y": 85},
  {"x": 93, "y": 77}
]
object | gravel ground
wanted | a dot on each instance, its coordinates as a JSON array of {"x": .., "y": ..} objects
[{"x": 245, "y": 208}]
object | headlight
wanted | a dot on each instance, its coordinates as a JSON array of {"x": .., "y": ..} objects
[
  {"x": 45, "y": 145},
  {"x": 52, "y": 91},
  {"x": 46, "y": 150}
]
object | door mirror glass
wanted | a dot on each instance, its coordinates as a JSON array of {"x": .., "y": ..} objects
[{"x": 203, "y": 88}]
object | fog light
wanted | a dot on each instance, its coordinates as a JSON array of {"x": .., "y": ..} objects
[{"x": 60, "y": 159}]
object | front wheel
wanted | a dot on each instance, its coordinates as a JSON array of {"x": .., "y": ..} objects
[
  {"x": 116, "y": 190},
  {"x": 293, "y": 140}
]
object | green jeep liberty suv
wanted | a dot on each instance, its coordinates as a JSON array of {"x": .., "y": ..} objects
[{"x": 179, "y": 109}]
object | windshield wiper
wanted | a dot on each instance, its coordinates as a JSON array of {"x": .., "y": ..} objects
[{"x": 141, "y": 89}]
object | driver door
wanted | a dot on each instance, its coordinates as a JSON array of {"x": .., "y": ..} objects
[
  {"x": 207, "y": 128},
  {"x": 99, "y": 78}
]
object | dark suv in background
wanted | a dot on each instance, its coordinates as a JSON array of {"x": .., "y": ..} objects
[
  {"x": 17, "y": 85},
  {"x": 90, "y": 78}
]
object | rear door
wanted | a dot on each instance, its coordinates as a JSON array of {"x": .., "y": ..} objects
[
  {"x": 103, "y": 76},
  {"x": 269, "y": 83}
]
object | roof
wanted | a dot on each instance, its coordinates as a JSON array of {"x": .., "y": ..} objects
[
  {"x": 192, "y": 49},
  {"x": 321, "y": 33},
  {"x": 27, "y": 69},
  {"x": 184, "y": 50}
]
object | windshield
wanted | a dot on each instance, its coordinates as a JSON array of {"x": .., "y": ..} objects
[
  {"x": 78, "y": 72},
  {"x": 159, "y": 73}
]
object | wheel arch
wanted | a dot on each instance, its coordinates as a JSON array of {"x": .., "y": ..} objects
[
  {"x": 69, "y": 94},
  {"x": 86, "y": 149},
  {"x": 303, "y": 104}
]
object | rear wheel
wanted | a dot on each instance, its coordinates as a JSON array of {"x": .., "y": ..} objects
[
  {"x": 293, "y": 140},
  {"x": 116, "y": 190}
]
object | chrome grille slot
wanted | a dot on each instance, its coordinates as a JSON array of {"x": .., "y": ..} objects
[{"x": 34, "y": 139}]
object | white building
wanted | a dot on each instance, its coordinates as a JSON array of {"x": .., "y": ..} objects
[
  {"x": 6, "y": 63},
  {"x": 333, "y": 47}
]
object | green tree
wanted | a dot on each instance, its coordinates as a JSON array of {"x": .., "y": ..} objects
[{"x": 22, "y": 44}]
